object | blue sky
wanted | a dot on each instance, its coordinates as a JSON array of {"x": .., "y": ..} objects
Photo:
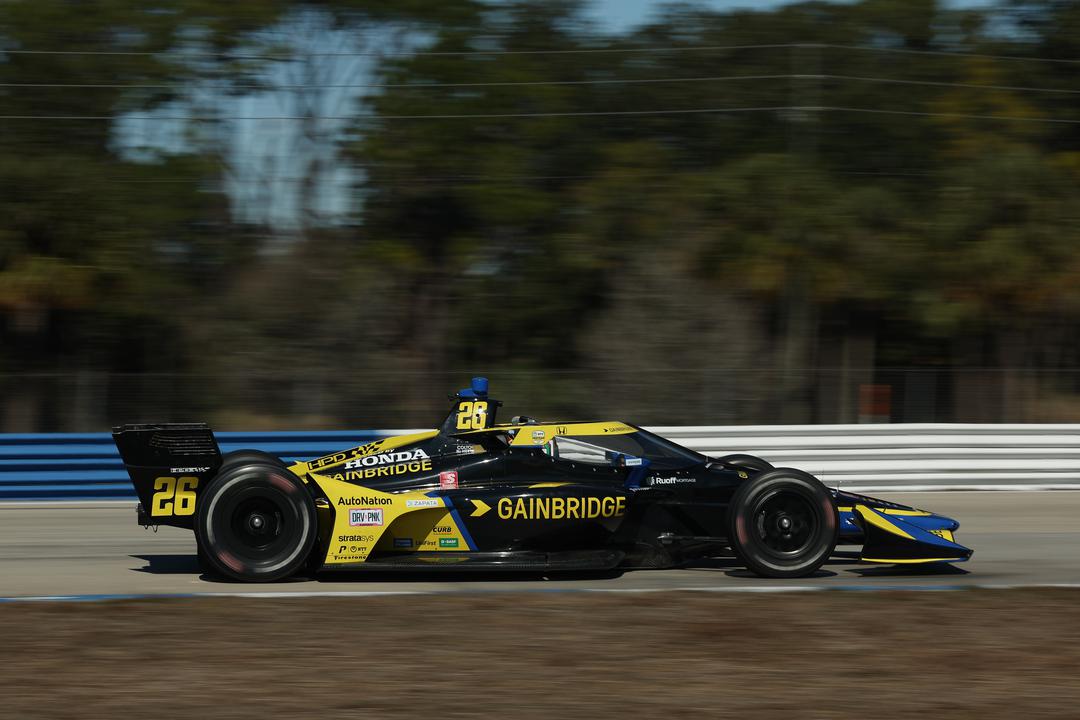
[
  {"x": 268, "y": 158},
  {"x": 621, "y": 15}
]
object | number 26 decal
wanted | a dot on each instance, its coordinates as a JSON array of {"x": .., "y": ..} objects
[
  {"x": 174, "y": 496},
  {"x": 472, "y": 415}
]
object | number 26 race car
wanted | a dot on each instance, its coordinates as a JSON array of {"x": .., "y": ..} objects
[{"x": 522, "y": 496}]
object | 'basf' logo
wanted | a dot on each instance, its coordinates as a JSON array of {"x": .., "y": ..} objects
[{"x": 365, "y": 516}]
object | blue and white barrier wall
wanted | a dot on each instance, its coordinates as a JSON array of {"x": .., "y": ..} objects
[{"x": 86, "y": 466}]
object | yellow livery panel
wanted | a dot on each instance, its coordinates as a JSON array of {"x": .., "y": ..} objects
[{"x": 366, "y": 520}]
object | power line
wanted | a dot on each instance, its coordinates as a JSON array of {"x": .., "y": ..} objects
[
  {"x": 935, "y": 83},
  {"x": 455, "y": 116},
  {"x": 553, "y": 51},
  {"x": 419, "y": 53},
  {"x": 221, "y": 183},
  {"x": 601, "y": 81},
  {"x": 959, "y": 116},
  {"x": 422, "y": 86},
  {"x": 944, "y": 53},
  {"x": 585, "y": 113}
]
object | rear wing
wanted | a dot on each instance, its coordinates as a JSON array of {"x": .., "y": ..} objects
[{"x": 168, "y": 465}]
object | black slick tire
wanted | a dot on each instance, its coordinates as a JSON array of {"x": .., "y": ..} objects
[
  {"x": 204, "y": 564},
  {"x": 238, "y": 457},
  {"x": 783, "y": 523},
  {"x": 255, "y": 522}
]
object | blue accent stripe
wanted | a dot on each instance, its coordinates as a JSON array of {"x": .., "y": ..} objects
[
  {"x": 847, "y": 524},
  {"x": 461, "y": 525},
  {"x": 919, "y": 534}
]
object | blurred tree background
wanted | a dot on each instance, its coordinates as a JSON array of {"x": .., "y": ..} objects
[{"x": 324, "y": 214}]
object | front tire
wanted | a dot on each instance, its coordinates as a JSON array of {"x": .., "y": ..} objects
[
  {"x": 255, "y": 522},
  {"x": 783, "y": 523},
  {"x": 746, "y": 462}
]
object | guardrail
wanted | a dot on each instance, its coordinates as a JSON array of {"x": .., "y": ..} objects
[
  {"x": 75, "y": 466},
  {"x": 930, "y": 456},
  {"x": 856, "y": 457}
]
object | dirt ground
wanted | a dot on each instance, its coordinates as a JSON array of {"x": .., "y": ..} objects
[{"x": 966, "y": 654}]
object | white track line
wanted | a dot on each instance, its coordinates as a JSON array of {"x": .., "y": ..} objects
[
  {"x": 67, "y": 503},
  {"x": 765, "y": 589}
]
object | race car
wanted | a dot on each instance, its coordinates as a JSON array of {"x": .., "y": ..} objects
[{"x": 524, "y": 496}]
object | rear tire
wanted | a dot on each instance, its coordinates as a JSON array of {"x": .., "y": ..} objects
[
  {"x": 204, "y": 564},
  {"x": 239, "y": 457},
  {"x": 783, "y": 523},
  {"x": 255, "y": 522}
]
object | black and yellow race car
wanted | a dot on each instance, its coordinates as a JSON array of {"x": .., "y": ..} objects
[{"x": 525, "y": 495}]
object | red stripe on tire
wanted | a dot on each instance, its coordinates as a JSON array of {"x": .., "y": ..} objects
[
  {"x": 231, "y": 560},
  {"x": 282, "y": 483}
]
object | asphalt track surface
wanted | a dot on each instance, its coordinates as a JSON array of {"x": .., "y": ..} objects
[{"x": 95, "y": 549}]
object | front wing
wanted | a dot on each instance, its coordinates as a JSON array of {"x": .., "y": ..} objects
[{"x": 896, "y": 534}]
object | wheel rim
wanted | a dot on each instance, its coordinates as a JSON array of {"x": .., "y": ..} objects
[
  {"x": 256, "y": 523},
  {"x": 786, "y": 523},
  {"x": 259, "y": 526}
]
